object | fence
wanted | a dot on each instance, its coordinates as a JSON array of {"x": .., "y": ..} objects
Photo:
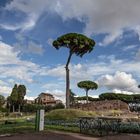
[
  {"x": 64, "y": 123},
  {"x": 105, "y": 126},
  {"x": 88, "y": 125}
]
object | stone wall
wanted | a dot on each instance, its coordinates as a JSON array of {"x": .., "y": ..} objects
[{"x": 103, "y": 105}]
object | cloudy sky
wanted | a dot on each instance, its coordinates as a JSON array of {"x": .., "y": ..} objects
[{"x": 28, "y": 27}]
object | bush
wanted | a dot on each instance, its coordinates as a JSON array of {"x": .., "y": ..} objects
[
  {"x": 3, "y": 109},
  {"x": 59, "y": 106},
  {"x": 130, "y": 128},
  {"x": 48, "y": 108},
  {"x": 68, "y": 114},
  {"x": 32, "y": 107}
]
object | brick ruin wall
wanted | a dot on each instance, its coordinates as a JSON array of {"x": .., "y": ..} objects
[{"x": 102, "y": 105}]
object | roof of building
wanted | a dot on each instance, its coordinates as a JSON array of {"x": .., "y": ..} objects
[{"x": 45, "y": 94}]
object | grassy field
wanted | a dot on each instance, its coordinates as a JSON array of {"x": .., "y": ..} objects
[
  {"x": 68, "y": 114},
  {"x": 24, "y": 124},
  {"x": 17, "y": 127}
]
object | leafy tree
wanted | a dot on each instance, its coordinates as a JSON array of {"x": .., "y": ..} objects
[
  {"x": 14, "y": 97},
  {"x": 48, "y": 108},
  {"x": 134, "y": 98},
  {"x": 87, "y": 85},
  {"x": 59, "y": 106},
  {"x": 21, "y": 93},
  {"x": 72, "y": 98},
  {"x": 32, "y": 107},
  {"x": 108, "y": 96},
  {"x": 89, "y": 98},
  {"x": 2, "y": 100},
  {"x": 9, "y": 103},
  {"x": 77, "y": 44}
]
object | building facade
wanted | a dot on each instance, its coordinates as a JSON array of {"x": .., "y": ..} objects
[{"x": 46, "y": 99}]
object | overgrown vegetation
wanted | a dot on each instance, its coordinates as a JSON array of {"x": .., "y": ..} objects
[
  {"x": 34, "y": 107},
  {"x": 68, "y": 114},
  {"x": 19, "y": 125},
  {"x": 117, "y": 96}
]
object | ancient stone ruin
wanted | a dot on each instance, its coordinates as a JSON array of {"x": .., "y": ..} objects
[{"x": 102, "y": 105}]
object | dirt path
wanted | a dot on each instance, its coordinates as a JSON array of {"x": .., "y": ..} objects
[{"x": 55, "y": 135}]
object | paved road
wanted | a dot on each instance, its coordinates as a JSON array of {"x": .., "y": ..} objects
[{"x": 66, "y": 136}]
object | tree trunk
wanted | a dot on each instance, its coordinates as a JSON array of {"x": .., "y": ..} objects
[
  {"x": 87, "y": 96},
  {"x": 68, "y": 82},
  {"x": 67, "y": 88},
  {"x": 19, "y": 108},
  {"x": 13, "y": 108}
]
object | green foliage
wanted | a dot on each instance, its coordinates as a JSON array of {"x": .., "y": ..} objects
[
  {"x": 14, "y": 94},
  {"x": 130, "y": 128},
  {"x": 21, "y": 93},
  {"x": 59, "y": 106},
  {"x": 68, "y": 114},
  {"x": 17, "y": 97},
  {"x": 72, "y": 98},
  {"x": 2, "y": 100},
  {"x": 48, "y": 108},
  {"x": 87, "y": 85},
  {"x": 89, "y": 98},
  {"x": 17, "y": 127},
  {"x": 32, "y": 107},
  {"x": 123, "y": 97},
  {"x": 2, "y": 109},
  {"x": 77, "y": 43}
]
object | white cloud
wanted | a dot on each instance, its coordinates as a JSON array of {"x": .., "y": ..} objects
[
  {"x": 26, "y": 45},
  {"x": 58, "y": 85},
  {"x": 5, "y": 90},
  {"x": 7, "y": 55},
  {"x": 13, "y": 67},
  {"x": 50, "y": 41},
  {"x": 27, "y": 25},
  {"x": 11, "y": 81},
  {"x": 10, "y": 27},
  {"x": 122, "y": 91},
  {"x": 108, "y": 16},
  {"x": 32, "y": 8},
  {"x": 130, "y": 47},
  {"x": 94, "y": 69},
  {"x": 2, "y": 83},
  {"x": 94, "y": 96},
  {"x": 119, "y": 81},
  {"x": 29, "y": 98},
  {"x": 110, "y": 38},
  {"x": 35, "y": 48}
]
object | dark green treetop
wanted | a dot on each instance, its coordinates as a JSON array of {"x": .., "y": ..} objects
[
  {"x": 77, "y": 43},
  {"x": 87, "y": 85}
]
